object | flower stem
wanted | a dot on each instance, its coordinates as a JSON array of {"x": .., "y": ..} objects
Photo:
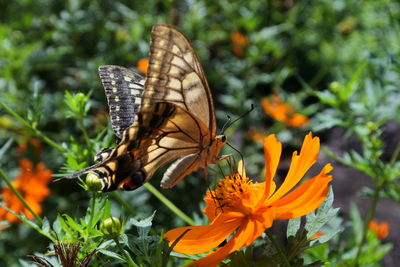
[
  {"x": 125, "y": 254},
  {"x": 395, "y": 155},
  {"x": 169, "y": 204},
  {"x": 9, "y": 184},
  {"x": 92, "y": 207},
  {"x": 282, "y": 255},
  {"x": 85, "y": 134},
  {"x": 28, "y": 125},
  {"x": 370, "y": 215}
]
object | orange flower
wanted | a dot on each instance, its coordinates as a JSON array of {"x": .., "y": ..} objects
[
  {"x": 246, "y": 208},
  {"x": 33, "y": 143},
  {"x": 380, "y": 229},
  {"x": 239, "y": 41},
  {"x": 32, "y": 185},
  {"x": 255, "y": 135},
  {"x": 283, "y": 111},
  {"x": 142, "y": 65}
]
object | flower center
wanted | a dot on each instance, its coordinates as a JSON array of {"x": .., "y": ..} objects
[{"x": 231, "y": 191}]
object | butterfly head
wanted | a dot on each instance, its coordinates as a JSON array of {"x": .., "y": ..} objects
[{"x": 220, "y": 140}]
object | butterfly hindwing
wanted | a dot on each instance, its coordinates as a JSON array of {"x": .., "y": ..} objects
[{"x": 123, "y": 88}]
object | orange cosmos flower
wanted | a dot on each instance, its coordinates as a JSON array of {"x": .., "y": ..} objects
[
  {"x": 32, "y": 185},
  {"x": 255, "y": 135},
  {"x": 380, "y": 229},
  {"x": 246, "y": 208},
  {"x": 283, "y": 111},
  {"x": 142, "y": 65},
  {"x": 239, "y": 41}
]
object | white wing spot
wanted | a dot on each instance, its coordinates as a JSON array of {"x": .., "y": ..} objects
[
  {"x": 117, "y": 118},
  {"x": 112, "y": 75},
  {"x": 127, "y": 79},
  {"x": 135, "y": 92},
  {"x": 116, "y": 98},
  {"x": 176, "y": 50},
  {"x": 117, "y": 108},
  {"x": 113, "y": 82},
  {"x": 114, "y": 89},
  {"x": 132, "y": 85}
]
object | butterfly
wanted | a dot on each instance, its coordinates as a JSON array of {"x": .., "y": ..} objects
[{"x": 175, "y": 119}]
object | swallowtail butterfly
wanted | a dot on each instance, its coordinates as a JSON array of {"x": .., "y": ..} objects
[{"x": 173, "y": 119}]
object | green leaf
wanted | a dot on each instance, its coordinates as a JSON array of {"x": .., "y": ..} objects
[
  {"x": 72, "y": 224},
  {"x": 65, "y": 227},
  {"x": 357, "y": 222},
  {"x": 46, "y": 226},
  {"x": 293, "y": 227},
  {"x": 143, "y": 226},
  {"x": 324, "y": 214},
  {"x": 111, "y": 254}
]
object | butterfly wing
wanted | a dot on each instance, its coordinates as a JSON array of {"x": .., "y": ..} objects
[
  {"x": 123, "y": 88},
  {"x": 159, "y": 134},
  {"x": 176, "y": 76},
  {"x": 176, "y": 119}
]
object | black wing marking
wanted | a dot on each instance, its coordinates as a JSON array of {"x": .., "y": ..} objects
[{"x": 123, "y": 88}]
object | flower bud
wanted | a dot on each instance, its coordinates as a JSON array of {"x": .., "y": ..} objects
[
  {"x": 111, "y": 227},
  {"x": 335, "y": 86},
  {"x": 93, "y": 182}
]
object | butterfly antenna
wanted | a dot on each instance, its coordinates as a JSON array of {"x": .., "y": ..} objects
[
  {"x": 241, "y": 155},
  {"x": 227, "y": 124}
]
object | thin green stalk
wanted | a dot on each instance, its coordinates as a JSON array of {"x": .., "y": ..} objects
[
  {"x": 370, "y": 215},
  {"x": 92, "y": 207},
  {"x": 85, "y": 134},
  {"x": 9, "y": 184},
  {"x": 395, "y": 155},
  {"x": 169, "y": 204},
  {"x": 125, "y": 254},
  {"x": 28, "y": 125},
  {"x": 282, "y": 255},
  {"x": 121, "y": 201}
]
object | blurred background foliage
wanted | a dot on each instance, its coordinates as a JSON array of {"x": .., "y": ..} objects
[{"x": 50, "y": 47}]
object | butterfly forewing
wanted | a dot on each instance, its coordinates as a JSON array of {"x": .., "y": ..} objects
[
  {"x": 123, "y": 88},
  {"x": 176, "y": 76}
]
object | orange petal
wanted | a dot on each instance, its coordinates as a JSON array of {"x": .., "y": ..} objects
[
  {"x": 272, "y": 154},
  {"x": 241, "y": 168},
  {"x": 297, "y": 120},
  {"x": 143, "y": 65},
  {"x": 299, "y": 165},
  {"x": 205, "y": 237},
  {"x": 265, "y": 215},
  {"x": 211, "y": 209},
  {"x": 305, "y": 198},
  {"x": 383, "y": 230},
  {"x": 246, "y": 234}
]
